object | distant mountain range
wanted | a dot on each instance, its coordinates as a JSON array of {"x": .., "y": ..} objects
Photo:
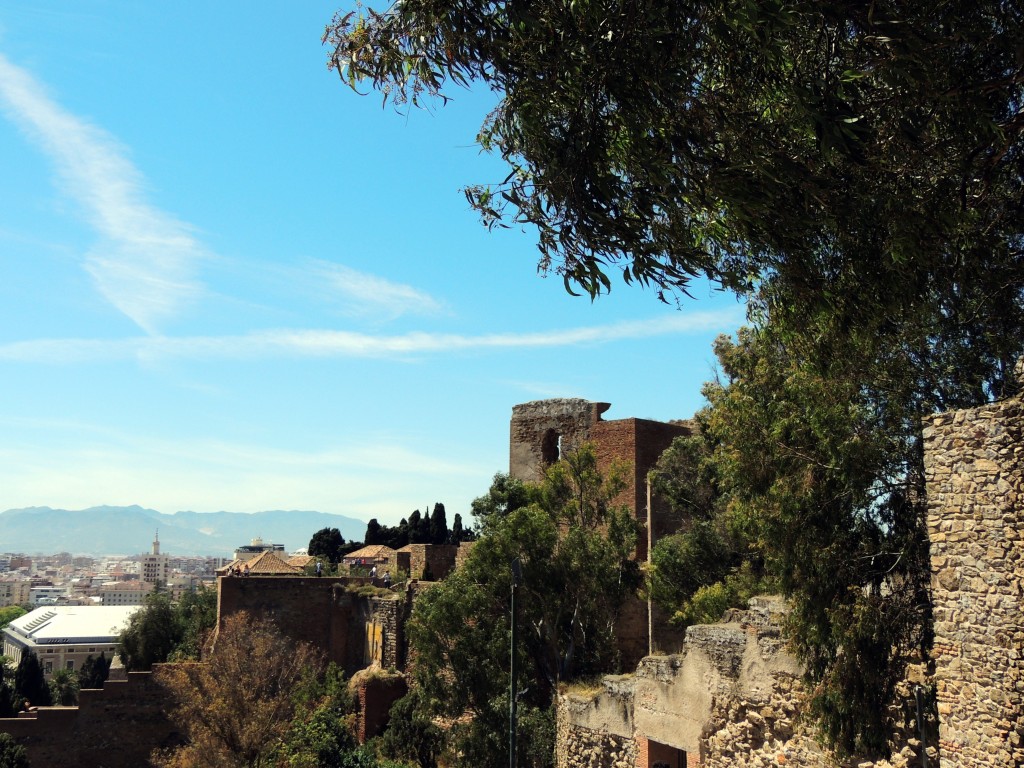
[{"x": 129, "y": 530}]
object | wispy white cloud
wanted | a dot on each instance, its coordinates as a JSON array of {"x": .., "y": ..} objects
[
  {"x": 369, "y": 295},
  {"x": 348, "y": 344},
  {"x": 144, "y": 260}
]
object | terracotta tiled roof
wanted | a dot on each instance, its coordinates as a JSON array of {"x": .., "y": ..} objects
[
  {"x": 372, "y": 552},
  {"x": 264, "y": 564},
  {"x": 267, "y": 563},
  {"x": 301, "y": 560}
]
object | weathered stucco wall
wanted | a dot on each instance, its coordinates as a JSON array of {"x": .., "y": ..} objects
[
  {"x": 731, "y": 699},
  {"x": 974, "y": 463}
]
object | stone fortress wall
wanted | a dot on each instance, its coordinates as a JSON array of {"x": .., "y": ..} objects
[
  {"x": 692, "y": 709},
  {"x": 542, "y": 431},
  {"x": 974, "y": 464}
]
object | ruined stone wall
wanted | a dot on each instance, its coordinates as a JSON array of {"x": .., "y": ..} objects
[
  {"x": 465, "y": 548},
  {"x": 974, "y": 464},
  {"x": 375, "y": 694},
  {"x": 539, "y": 430},
  {"x": 581, "y": 746},
  {"x": 731, "y": 699},
  {"x": 543, "y": 430},
  {"x": 386, "y": 632},
  {"x": 117, "y": 726}
]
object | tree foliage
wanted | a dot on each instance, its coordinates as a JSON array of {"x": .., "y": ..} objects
[
  {"x": 94, "y": 671},
  {"x": 163, "y": 630},
  {"x": 853, "y": 170},
  {"x": 418, "y": 528},
  {"x": 327, "y": 543},
  {"x": 796, "y": 141},
  {"x": 818, "y": 452},
  {"x": 505, "y": 495},
  {"x": 439, "y": 532},
  {"x": 9, "y": 703},
  {"x": 12, "y": 754},
  {"x": 64, "y": 687},
  {"x": 29, "y": 681},
  {"x": 9, "y": 613},
  {"x": 321, "y": 729},
  {"x": 237, "y": 707},
  {"x": 575, "y": 546},
  {"x": 8, "y": 700}
]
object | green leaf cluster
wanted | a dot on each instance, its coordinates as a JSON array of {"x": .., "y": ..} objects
[
  {"x": 163, "y": 630},
  {"x": 30, "y": 682},
  {"x": 329, "y": 544},
  {"x": 12, "y": 754},
  {"x": 575, "y": 547},
  {"x": 94, "y": 671},
  {"x": 798, "y": 141}
]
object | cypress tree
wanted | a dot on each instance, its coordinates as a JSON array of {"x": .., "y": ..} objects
[
  {"x": 438, "y": 525},
  {"x": 29, "y": 682}
]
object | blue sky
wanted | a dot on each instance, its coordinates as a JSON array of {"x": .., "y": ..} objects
[{"x": 229, "y": 283}]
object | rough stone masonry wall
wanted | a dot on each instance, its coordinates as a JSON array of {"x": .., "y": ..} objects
[{"x": 974, "y": 465}]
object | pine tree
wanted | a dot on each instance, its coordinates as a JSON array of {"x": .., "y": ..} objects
[{"x": 418, "y": 532}]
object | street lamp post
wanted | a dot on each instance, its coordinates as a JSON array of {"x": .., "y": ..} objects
[{"x": 517, "y": 575}]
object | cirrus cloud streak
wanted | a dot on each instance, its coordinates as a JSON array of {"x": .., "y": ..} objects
[{"x": 350, "y": 344}]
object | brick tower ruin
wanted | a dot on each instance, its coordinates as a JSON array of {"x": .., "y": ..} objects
[{"x": 542, "y": 431}]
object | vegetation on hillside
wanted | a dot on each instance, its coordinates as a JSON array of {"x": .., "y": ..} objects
[{"x": 262, "y": 700}]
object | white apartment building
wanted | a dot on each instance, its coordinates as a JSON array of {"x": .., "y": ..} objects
[
  {"x": 125, "y": 592},
  {"x": 257, "y": 547}
]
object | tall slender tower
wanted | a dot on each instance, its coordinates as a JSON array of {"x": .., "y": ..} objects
[{"x": 156, "y": 568}]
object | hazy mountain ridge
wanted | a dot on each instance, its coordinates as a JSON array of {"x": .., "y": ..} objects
[{"x": 129, "y": 530}]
